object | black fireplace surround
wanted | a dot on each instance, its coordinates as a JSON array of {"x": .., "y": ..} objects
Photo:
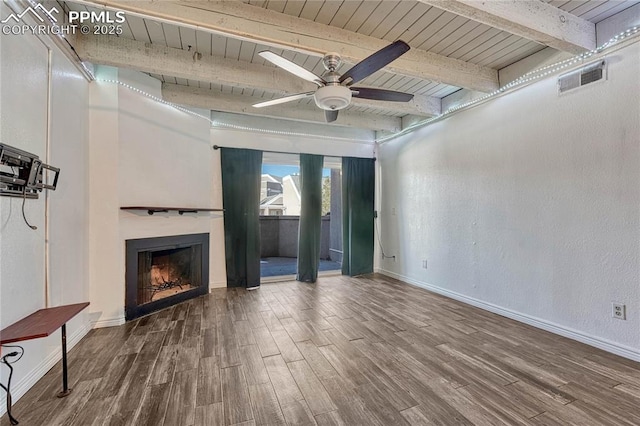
[{"x": 168, "y": 269}]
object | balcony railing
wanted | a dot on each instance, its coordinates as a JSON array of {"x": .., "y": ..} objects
[{"x": 279, "y": 238}]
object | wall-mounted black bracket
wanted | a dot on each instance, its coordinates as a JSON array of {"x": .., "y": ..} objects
[{"x": 22, "y": 174}]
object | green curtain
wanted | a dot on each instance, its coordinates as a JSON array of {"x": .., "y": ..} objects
[
  {"x": 241, "y": 172},
  {"x": 358, "y": 188},
  {"x": 309, "y": 230}
]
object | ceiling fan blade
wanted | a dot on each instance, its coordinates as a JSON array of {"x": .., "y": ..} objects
[
  {"x": 380, "y": 94},
  {"x": 283, "y": 100},
  {"x": 330, "y": 115},
  {"x": 291, "y": 67},
  {"x": 375, "y": 62}
]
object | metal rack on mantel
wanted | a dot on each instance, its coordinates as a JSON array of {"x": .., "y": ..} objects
[{"x": 180, "y": 210}]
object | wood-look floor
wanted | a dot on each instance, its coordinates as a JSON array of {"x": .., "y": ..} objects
[{"x": 364, "y": 351}]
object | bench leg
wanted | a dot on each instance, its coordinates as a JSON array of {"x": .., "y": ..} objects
[{"x": 65, "y": 384}]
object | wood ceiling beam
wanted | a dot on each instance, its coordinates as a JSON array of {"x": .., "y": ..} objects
[
  {"x": 246, "y": 22},
  {"x": 532, "y": 19},
  {"x": 126, "y": 53},
  {"x": 218, "y": 101}
]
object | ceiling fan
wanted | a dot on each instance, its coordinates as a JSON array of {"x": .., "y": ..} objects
[{"x": 334, "y": 91}]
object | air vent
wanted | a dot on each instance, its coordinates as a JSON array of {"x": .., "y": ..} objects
[
  {"x": 585, "y": 75},
  {"x": 590, "y": 76}
]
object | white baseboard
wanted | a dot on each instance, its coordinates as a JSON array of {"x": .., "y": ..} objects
[
  {"x": 43, "y": 367},
  {"x": 108, "y": 322},
  {"x": 217, "y": 284},
  {"x": 606, "y": 345}
]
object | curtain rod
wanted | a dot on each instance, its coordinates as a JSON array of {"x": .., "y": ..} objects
[{"x": 216, "y": 147}]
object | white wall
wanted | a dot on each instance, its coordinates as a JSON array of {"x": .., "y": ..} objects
[
  {"x": 333, "y": 141},
  {"x": 289, "y": 136},
  {"x": 528, "y": 205},
  {"x": 145, "y": 154},
  {"x": 25, "y": 111},
  {"x": 291, "y": 144}
]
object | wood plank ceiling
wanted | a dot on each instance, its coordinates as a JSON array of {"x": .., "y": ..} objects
[{"x": 424, "y": 27}]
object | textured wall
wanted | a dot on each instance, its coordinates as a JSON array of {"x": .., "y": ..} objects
[
  {"x": 69, "y": 209},
  {"x": 31, "y": 97},
  {"x": 530, "y": 203},
  {"x": 145, "y": 154},
  {"x": 23, "y": 124}
]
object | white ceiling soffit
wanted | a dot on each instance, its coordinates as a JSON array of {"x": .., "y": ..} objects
[{"x": 286, "y": 159}]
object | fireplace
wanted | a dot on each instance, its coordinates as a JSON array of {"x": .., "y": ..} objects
[{"x": 163, "y": 271}]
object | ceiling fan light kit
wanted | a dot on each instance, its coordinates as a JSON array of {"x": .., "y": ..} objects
[
  {"x": 334, "y": 90},
  {"x": 332, "y": 97}
]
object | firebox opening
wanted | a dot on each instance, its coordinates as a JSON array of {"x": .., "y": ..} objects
[{"x": 165, "y": 273}]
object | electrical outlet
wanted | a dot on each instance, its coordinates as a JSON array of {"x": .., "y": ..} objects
[
  {"x": 618, "y": 311},
  {"x": 393, "y": 211},
  {"x": 424, "y": 263}
]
